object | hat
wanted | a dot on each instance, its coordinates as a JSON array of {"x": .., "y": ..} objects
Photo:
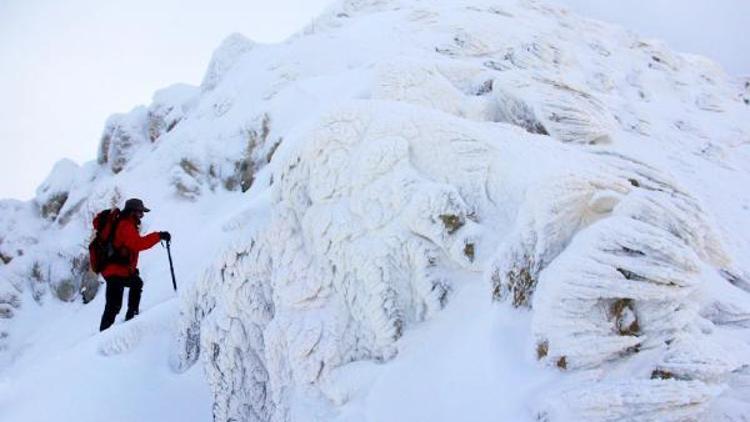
[{"x": 135, "y": 204}]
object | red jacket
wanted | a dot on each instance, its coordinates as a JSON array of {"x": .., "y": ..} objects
[{"x": 127, "y": 237}]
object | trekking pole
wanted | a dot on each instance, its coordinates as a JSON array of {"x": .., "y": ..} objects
[{"x": 171, "y": 267}]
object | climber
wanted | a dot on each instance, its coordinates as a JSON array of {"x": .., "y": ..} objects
[{"x": 127, "y": 241}]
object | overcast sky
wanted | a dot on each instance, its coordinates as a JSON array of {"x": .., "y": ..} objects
[{"x": 67, "y": 65}]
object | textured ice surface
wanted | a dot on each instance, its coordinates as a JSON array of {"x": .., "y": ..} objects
[{"x": 351, "y": 180}]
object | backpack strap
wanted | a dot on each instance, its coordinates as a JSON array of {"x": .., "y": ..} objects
[{"x": 113, "y": 230}]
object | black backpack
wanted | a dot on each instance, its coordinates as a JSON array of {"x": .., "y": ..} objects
[{"x": 101, "y": 250}]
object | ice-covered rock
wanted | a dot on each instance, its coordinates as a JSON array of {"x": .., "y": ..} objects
[
  {"x": 226, "y": 56},
  {"x": 169, "y": 106},
  {"x": 346, "y": 180},
  {"x": 123, "y": 134},
  {"x": 381, "y": 202},
  {"x": 53, "y": 192}
]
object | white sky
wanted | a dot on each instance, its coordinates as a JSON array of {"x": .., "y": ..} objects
[{"x": 67, "y": 65}]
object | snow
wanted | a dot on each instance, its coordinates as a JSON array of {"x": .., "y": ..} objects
[
  {"x": 476, "y": 361},
  {"x": 488, "y": 211},
  {"x": 53, "y": 192},
  {"x": 79, "y": 382},
  {"x": 226, "y": 56}
]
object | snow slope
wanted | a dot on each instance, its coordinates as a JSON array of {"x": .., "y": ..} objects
[{"x": 423, "y": 210}]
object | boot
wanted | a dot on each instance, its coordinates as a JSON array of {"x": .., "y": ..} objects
[{"x": 130, "y": 314}]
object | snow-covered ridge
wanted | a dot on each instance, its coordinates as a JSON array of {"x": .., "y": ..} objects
[{"x": 394, "y": 151}]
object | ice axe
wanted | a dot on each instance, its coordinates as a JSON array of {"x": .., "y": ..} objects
[{"x": 171, "y": 266}]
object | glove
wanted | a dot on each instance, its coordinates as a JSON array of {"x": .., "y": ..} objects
[{"x": 165, "y": 236}]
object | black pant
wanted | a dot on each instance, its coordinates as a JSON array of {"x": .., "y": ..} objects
[{"x": 115, "y": 289}]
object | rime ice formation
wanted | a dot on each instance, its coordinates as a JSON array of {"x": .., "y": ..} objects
[
  {"x": 387, "y": 197},
  {"x": 362, "y": 171}
]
